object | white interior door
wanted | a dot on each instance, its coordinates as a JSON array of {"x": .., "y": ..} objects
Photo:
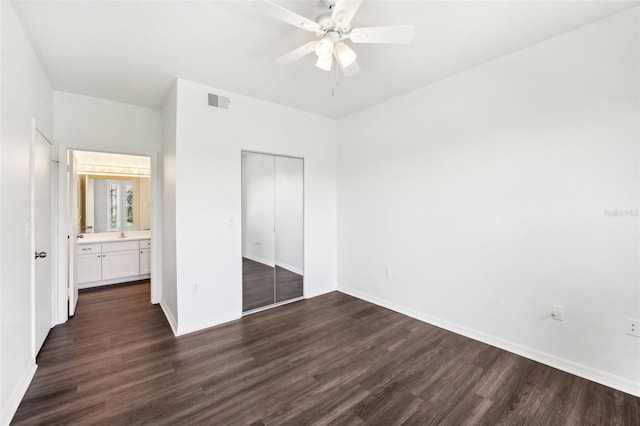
[
  {"x": 43, "y": 292},
  {"x": 72, "y": 221}
]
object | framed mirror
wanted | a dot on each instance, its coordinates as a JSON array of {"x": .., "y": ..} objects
[
  {"x": 272, "y": 230},
  {"x": 108, "y": 204}
]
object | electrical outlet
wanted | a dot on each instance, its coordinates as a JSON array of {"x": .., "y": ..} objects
[
  {"x": 195, "y": 289},
  {"x": 387, "y": 272},
  {"x": 633, "y": 327},
  {"x": 557, "y": 312}
]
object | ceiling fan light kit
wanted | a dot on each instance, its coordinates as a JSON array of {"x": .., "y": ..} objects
[
  {"x": 324, "y": 48},
  {"x": 333, "y": 27}
]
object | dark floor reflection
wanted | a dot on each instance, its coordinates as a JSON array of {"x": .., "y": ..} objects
[{"x": 258, "y": 285}]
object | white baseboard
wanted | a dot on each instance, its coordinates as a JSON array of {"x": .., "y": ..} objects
[
  {"x": 316, "y": 293},
  {"x": 272, "y": 264},
  {"x": 169, "y": 315},
  {"x": 290, "y": 268},
  {"x": 209, "y": 322},
  {"x": 584, "y": 371},
  {"x": 10, "y": 408},
  {"x": 259, "y": 260},
  {"x": 113, "y": 281}
]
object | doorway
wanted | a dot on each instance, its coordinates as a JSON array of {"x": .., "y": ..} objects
[{"x": 109, "y": 220}]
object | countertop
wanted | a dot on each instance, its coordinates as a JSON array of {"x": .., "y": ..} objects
[{"x": 112, "y": 237}]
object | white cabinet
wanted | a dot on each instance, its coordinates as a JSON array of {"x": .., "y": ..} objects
[
  {"x": 120, "y": 264},
  {"x": 89, "y": 267},
  {"x": 145, "y": 257},
  {"x": 112, "y": 262}
]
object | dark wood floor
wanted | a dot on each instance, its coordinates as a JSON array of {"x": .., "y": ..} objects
[
  {"x": 259, "y": 282},
  {"x": 331, "y": 359}
]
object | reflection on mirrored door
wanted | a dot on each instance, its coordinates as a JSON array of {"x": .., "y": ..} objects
[
  {"x": 272, "y": 229},
  {"x": 289, "y": 227}
]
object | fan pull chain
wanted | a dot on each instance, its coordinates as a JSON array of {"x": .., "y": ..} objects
[{"x": 336, "y": 80}]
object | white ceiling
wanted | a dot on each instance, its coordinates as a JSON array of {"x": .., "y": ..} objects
[{"x": 131, "y": 51}]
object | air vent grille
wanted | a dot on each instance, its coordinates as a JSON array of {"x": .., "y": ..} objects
[{"x": 217, "y": 101}]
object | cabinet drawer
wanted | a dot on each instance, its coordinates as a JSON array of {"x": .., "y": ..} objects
[
  {"x": 119, "y": 246},
  {"x": 145, "y": 244},
  {"x": 88, "y": 248}
]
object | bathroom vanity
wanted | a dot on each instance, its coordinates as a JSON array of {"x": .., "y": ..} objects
[{"x": 107, "y": 258}]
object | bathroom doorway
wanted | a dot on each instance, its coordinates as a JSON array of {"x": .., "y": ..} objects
[{"x": 109, "y": 216}]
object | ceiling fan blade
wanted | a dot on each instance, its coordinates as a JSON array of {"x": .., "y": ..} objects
[
  {"x": 393, "y": 35},
  {"x": 285, "y": 15},
  {"x": 343, "y": 12},
  {"x": 298, "y": 53},
  {"x": 352, "y": 69}
]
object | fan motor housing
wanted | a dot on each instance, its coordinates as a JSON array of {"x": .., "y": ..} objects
[{"x": 324, "y": 20}]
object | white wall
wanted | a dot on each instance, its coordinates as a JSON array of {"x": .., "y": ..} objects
[
  {"x": 87, "y": 123},
  {"x": 289, "y": 214},
  {"x": 486, "y": 193},
  {"x": 208, "y": 197},
  {"x": 26, "y": 93},
  {"x": 258, "y": 213},
  {"x": 169, "y": 300},
  {"x": 85, "y": 120}
]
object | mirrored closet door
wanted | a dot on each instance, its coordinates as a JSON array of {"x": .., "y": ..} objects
[{"x": 272, "y": 229}]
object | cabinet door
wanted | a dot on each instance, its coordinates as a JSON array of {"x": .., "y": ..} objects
[
  {"x": 120, "y": 264},
  {"x": 145, "y": 261},
  {"x": 89, "y": 267}
]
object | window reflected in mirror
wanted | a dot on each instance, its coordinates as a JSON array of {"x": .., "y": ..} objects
[
  {"x": 108, "y": 204},
  {"x": 113, "y": 191},
  {"x": 113, "y": 206}
]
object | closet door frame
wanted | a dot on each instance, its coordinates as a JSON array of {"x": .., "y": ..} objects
[{"x": 295, "y": 299}]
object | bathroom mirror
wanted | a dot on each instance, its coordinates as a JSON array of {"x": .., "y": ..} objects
[
  {"x": 272, "y": 229},
  {"x": 107, "y": 204}
]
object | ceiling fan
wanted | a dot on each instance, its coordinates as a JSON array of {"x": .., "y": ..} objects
[{"x": 333, "y": 28}]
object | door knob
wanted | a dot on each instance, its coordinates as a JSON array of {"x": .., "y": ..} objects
[{"x": 42, "y": 254}]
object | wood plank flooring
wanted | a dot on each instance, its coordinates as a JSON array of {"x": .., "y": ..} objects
[{"x": 332, "y": 359}]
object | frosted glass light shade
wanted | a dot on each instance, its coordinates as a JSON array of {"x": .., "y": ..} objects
[
  {"x": 324, "y": 48},
  {"x": 345, "y": 55},
  {"x": 324, "y": 63}
]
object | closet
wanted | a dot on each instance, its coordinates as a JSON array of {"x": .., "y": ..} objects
[{"x": 272, "y": 230}]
